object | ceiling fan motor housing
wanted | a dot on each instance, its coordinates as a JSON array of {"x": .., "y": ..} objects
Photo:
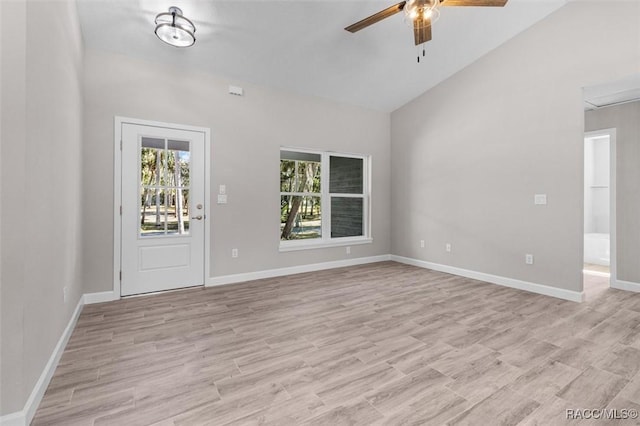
[{"x": 421, "y": 12}]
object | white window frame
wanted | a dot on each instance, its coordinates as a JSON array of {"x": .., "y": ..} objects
[{"x": 325, "y": 198}]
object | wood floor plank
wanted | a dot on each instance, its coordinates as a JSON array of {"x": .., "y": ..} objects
[
  {"x": 238, "y": 406},
  {"x": 504, "y": 407},
  {"x": 289, "y": 412},
  {"x": 354, "y": 385},
  {"x": 594, "y": 388},
  {"x": 622, "y": 360},
  {"x": 545, "y": 380},
  {"x": 436, "y": 407},
  {"x": 552, "y": 413},
  {"x": 360, "y": 413},
  {"x": 387, "y": 398},
  {"x": 529, "y": 353},
  {"x": 382, "y": 343},
  {"x": 419, "y": 357}
]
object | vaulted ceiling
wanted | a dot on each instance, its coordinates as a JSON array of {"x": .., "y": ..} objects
[{"x": 301, "y": 46}]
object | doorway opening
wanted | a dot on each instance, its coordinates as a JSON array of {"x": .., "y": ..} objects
[{"x": 599, "y": 212}]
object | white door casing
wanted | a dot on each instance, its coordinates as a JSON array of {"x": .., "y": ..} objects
[{"x": 167, "y": 250}]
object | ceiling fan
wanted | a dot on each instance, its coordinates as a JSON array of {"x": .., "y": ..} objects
[{"x": 421, "y": 13}]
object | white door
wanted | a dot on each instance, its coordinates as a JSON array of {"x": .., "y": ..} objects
[{"x": 163, "y": 212}]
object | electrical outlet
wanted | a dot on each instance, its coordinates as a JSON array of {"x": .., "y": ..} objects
[
  {"x": 421, "y": 243},
  {"x": 65, "y": 294},
  {"x": 348, "y": 250},
  {"x": 234, "y": 252},
  {"x": 540, "y": 199},
  {"x": 528, "y": 259},
  {"x": 447, "y": 247}
]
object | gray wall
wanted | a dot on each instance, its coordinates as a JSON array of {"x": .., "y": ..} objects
[
  {"x": 469, "y": 155},
  {"x": 626, "y": 119},
  {"x": 246, "y": 135},
  {"x": 41, "y": 187}
]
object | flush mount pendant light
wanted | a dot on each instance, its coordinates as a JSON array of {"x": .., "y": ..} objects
[{"x": 175, "y": 29}]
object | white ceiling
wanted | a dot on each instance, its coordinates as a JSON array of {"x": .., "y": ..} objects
[{"x": 301, "y": 46}]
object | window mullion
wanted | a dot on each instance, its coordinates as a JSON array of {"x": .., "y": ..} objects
[
  {"x": 325, "y": 198},
  {"x": 366, "y": 203}
]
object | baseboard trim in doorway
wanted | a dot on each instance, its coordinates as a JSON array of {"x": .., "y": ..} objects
[
  {"x": 595, "y": 273},
  {"x": 626, "y": 285},
  {"x": 573, "y": 296},
  {"x": 101, "y": 297},
  {"x": 271, "y": 273}
]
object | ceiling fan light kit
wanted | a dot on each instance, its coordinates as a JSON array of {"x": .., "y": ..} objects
[
  {"x": 174, "y": 29},
  {"x": 420, "y": 14},
  {"x": 424, "y": 11}
]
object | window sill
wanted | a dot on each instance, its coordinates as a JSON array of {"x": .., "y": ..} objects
[{"x": 295, "y": 245}]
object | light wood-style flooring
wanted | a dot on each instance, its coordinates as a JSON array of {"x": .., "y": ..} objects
[
  {"x": 594, "y": 285},
  {"x": 384, "y": 343},
  {"x": 592, "y": 267}
]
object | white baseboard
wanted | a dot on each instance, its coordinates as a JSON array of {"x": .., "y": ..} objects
[
  {"x": 13, "y": 419},
  {"x": 25, "y": 416},
  {"x": 104, "y": 296},
  {"x": 573, "y": 296},
  {"x": 626, "y": 285},
  {"x": 271, "y": 273}
]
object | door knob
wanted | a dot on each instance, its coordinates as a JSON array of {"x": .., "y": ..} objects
[{"x": 199, "y": 217}]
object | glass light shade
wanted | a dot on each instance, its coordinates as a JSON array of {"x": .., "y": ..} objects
[
  {"x": 175, "y": 29},
  {"x": 425, "y": 12}
]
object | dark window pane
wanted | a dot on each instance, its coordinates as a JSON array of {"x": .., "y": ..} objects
[
  {"x": 345, "y": 175},
  {"x": 346, "y": 217},
  {"x": 300, "y": 217}
]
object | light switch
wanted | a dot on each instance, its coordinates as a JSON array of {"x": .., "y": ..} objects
[
  {"x": 222, "y": 199},
  {"x": 540, "y": 199},
  {"x": 222, "y": 190},
  {"x": 235, "y": 90}
]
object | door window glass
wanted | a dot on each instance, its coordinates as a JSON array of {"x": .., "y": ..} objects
[{"x": 164, "y": 187}]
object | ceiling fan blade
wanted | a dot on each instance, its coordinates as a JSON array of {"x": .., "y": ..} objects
[
  {"x": 421, "y": 30},
  {"x": 376, "y": 17},
  {"x": 494, "y": 3}
]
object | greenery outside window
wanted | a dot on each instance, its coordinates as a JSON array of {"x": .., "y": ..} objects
[{"x": 324, "y": 199}]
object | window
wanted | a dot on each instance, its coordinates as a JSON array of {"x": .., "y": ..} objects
[
  {"x": 323, "y": 199},
  {"x": 164, "y": 187}
]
